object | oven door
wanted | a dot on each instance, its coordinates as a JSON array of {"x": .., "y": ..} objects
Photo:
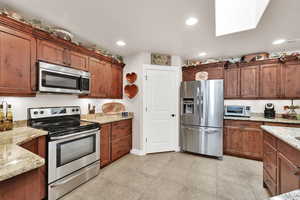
[{"x": 70, "y": 153}]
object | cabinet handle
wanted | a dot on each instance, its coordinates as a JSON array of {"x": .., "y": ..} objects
[{"x": 297, "y": 173}]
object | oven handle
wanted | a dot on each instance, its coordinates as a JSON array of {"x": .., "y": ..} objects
[
  {"x": 81, "y": 134},
  {"x": 73, "y": 177}
]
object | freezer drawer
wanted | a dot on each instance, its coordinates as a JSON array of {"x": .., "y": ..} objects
[{"x": 202, "y": 140}]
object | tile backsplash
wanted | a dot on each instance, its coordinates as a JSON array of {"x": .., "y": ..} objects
[{"x": 258, "y": 106}]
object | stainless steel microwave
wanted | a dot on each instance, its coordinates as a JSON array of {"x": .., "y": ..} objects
[
  {"x": 59, "y": 79},
  {"x": 237, "y": 111}
]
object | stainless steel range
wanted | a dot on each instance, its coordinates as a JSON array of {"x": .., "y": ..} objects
[{"x": 73, "y": 147}]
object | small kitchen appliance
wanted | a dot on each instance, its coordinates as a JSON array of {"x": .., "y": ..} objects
[
  {"x": 269, "y": 112},
  {"x": 72, "y": 144},
  {"x": 237, "y": 111}
]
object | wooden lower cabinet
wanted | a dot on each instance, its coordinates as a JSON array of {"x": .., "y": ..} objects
[
  {"x": 281, "y": 165},
  {"x": 30, "y": 185},
  {"x": 243, "y": 139},
  {"x": 116, "y": 141}
]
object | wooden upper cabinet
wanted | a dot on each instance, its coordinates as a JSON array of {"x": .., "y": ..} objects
[
  {"x": 116, "y": 89},
  {"x": 232, "y": 82},
  {"x": 291, "y": 79},
  {"x": 79, "y": 61},
  {"x": 250, "y": 81},
  {"x": 50, "y": 52},
  {"x": 214, "y": 72},
  {"x": 270, "y": 80},
  {"x": 101, "y": 78},
  {"x": 188, "y": 75},
  {"x": 17, "y": 63}
]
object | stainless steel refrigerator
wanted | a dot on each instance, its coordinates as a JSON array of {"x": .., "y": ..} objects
[{"x": 202, "y": 111}]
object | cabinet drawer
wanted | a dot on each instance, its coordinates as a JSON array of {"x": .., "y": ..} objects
[
  {"x": 243, "y": 124},
  {"x": 121, "y": 129},
  {"x": 120, "y": 147},
  {"x": 270, "y": 161},
  {"x": 269, "y": 183},
  {"x": 270, "y": 139},
  {"x": 289, "y": 152}
]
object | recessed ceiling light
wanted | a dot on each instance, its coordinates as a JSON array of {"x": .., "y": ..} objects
[
  {"x": 280, "y": 41},
  {"x": 191, "y": 21},
  {"x": 120, "y": 43},
  {"x": 202, "y": 54}
]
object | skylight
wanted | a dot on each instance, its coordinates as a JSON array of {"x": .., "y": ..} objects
[{"x": 238, "y": 15}]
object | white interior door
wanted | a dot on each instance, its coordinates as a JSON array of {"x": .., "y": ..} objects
[{"x": 161, "y": 99}]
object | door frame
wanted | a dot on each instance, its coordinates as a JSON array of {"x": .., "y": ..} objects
[{"x": 178, "y": 78}]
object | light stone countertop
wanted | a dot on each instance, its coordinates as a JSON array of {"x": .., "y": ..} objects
[
  {"x": 15, "y": 160},
  {"x": 259, "y": 118},
  {"x": 108, "y": 118},
  {"x": 286, "y": 134},
  {"x": 293, "y": 195}
]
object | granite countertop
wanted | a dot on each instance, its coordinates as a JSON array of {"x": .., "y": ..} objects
[
  {"x": 259, "y": 118},
  {"x": 286, "y": 134},
  {"x": 293, "y": 195},
  {"x": 104, "y": 119},
  {"x": 15, "y": 160}
]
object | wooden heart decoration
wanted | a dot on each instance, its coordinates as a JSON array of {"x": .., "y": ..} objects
[
  {"x": 131, "y": 90},
  {"x": 131, "y": 77}
]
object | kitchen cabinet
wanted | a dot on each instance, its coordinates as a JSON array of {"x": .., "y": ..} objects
[
  {"x": 232, "y": 82},
  {"x": 214, "y": 70},
  {"x": 101, "y": 78},
  {"x": 243, "y": 139},
  {"x": 249, "y": 81},
  {"x": 21, "y": 187},
  {"x": 116, "y": 140},
  {"x": 17, "y": 64},
  {"x": 30, "y": 185},
  {"x": 105, "y": 146},
  {"x": 116, "y": 89},
  {"x": 270, "y": 80},
  {"x": 38, "y": 146},
  {"x": 52, "y": 53},
  {"x": 281, "y": 166},
  {"x": 290, "y": 79},
  {"x": 79, "y": 61}
]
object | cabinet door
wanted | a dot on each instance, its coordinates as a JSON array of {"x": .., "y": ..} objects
[
  {"x": 188, "y": 74},
  {"x": 214, "y": 72},
  {"x": 116, "y": 89},
  {"x": 291, "y": 80},
  {"x": 270, "y": 81},
  {"x": 105, "y": 144},
  {"x": 253, "y": 142},
  {"x": 79, "y": 61},
  {"x": 250, "y": 82},
  {"x": 17, "y": 63},
  {"x": 232, "y": 83},
  {"x": 233, "y": 140},
  {"x": 52, "y": 53},
  {"x": 288, "y": 175}
]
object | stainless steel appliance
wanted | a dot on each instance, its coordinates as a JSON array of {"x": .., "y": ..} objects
[
  {"x": 73, "y": 147},
  {"x": 202, "y": 109},
  {"x": 269, "y": 111},
  {"x": 58, "y": 79},
  {"x": 237, "y": 111}
]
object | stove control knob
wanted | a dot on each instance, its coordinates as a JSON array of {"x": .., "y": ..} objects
[
  {"x": 35, "y": 112},
  {"x": 77, "y": 110},
  {"x": 41, "y": 112},
  {"x": 73, "y": 110}
]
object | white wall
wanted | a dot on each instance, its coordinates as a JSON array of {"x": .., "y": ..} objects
[
  {"x": 21, "y": 104},
  {"x": 135, "y": 64},
  {"x": 258, "y": 106}
]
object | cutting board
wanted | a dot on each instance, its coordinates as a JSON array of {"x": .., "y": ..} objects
[{"x": 113, "y": 108}]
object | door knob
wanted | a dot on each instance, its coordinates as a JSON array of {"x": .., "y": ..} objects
[{"x": 173, "y": 115}]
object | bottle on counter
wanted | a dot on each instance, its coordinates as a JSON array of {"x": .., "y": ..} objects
[
  {"x": 2, "y": 118},
  {"x": 9, "y": 118}
]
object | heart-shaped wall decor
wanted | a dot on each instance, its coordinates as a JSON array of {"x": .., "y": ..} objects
[
  {"x": 131, "y": 90},
  {"x": 131, "y": 77}
]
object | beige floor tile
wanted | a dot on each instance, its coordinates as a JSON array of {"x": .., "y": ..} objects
[
  {"x": 194, "y": 194},
  {"x": 200, "y": 182}
]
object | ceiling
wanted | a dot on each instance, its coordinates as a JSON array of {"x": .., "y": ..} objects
[{"x": 159, "y": 26}]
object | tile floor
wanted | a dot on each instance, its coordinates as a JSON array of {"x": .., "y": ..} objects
[{"x": 175, "y": 176}]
